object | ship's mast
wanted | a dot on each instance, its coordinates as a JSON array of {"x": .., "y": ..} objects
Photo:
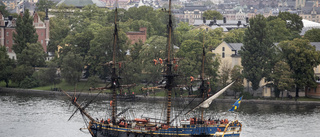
[
  {"x": 114, "y": 77},
  {"x": 202, "y": 87},
  {"x": 169, "y": 74}
]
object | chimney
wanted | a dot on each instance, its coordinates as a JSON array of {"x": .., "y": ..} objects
[
  {"x": 224, "y": 20},
  {"x": 214, "y": 20},
  {"x": 211, "y": 23},
  {"x": 247, "y": 20},
  {"x": 204, "y": 20},
  {"x": 46, "y": 18},
  {"x": 239, "y": 23}
]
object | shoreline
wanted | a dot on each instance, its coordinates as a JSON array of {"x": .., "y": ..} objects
[{"x": 140, "y": 97}]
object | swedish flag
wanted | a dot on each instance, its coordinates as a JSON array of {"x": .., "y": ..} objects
[{"x": 236, "y": 104}]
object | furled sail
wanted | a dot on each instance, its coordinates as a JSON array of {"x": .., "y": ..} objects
[{"x": 206, "y": 103}]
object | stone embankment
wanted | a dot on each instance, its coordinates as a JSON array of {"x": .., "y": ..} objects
[{"x": 140, "y": 97}]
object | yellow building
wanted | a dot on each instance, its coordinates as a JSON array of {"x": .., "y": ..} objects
[{"x": 230, "y": 57}]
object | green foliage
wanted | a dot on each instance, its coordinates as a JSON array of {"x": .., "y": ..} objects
[
  {"x": 133, "y": 66},
  {"x": 93, "y": 81},
  {"x": 225, "y": 73},
  {"x": 47, "y": 75},
  {"x": 257, "y": 51},
  {"x": 33, "y": 55},
  {"x": 154, "y": 48},
  {"x": 71, "y": 68},
  {"x": 313, "y": 35},
  {"x": 6, "y": 66},
  {"x": 282, "y": 77},
  {"x": 238, "y": 78},
  {"x": 42, "y": 5},
  {"x": 294, "y": 23},
  {"x": 20, "y": 73},
  {"x": 3, "y": 11},
  {"x": 59, "y": 29},
  {"x": 210, "y": 14},
  {"x": 101, "y": 51},
  {"x": 180, "y": 31},
  {"x": 157, "y": 18},
  {"x": 234, "y": 36},
  {"x": 41, "y": 15},
  {"x": 246, "y": 95},
  {"x": 190, "y": 53},
  {"x": 25, "y": 33},
  {"x": 29, "y": 82},
  {"x": 302, "y": 58},
  {"x": 278, "y": 30}
]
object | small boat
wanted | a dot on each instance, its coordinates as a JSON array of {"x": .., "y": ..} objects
[{"x": 145, "y": 127}]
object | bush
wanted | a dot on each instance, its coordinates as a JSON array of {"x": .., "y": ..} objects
[{"x": 29, "y": 82}]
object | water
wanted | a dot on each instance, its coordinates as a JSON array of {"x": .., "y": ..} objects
[{"x": 31, "y": 115}]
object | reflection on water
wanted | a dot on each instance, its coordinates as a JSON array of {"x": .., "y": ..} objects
[{"x": 25, "y": 115}]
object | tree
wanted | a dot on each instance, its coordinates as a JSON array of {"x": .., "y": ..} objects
[
  {"x": 180, "y": 31},
  {"x": 6, "y": 66},
  {"x": 282, "y": 78},
  {"x": 33, "y": 55},
  {"x": 225, "y": 73},
  {"x": 313, "y": 35},
  {"x": 3, "y": 10},
  {"x": 25, "y": 32},
  {"x": 256, "y": 52},
  {"x": 20, "y": 73},
  {"x": 190, "y": 53},
  {"x": 302, "y": 57},
  {"x": 101, "y": 51},
  {"x": 42, "y": 5},
  {"x": 154, "y": 49},
  {"x": 278, "y": 30},
  {"x": 132, "y": 68},
  {"x": 237, "y": 76},
  {"x": 210, "y": 14},
  {"x": 294, "y": 23},
  {"x": 47, "y": 75},
  {"x": 59, "y": 30},
  {"x": 234, "y": 36},
  {"x": 71, "y": 68}
]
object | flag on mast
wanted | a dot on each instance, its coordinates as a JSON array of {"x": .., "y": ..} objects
[{"x": 236, "y": 104}]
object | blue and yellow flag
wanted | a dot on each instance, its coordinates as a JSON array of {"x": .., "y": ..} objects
[{"x": 236, "y": 104}]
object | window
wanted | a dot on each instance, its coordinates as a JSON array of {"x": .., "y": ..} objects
[
  {"x": 223, "y": 55},
  {"x": 41, "y": 41},
  {"x": 7, "y": 41},
  {"x": 222, "y": 48},
  {"x": 41, "y": 33},
  {"x": 7, "y": 33}
]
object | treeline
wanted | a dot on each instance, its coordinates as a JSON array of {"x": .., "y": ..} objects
[{"x": 82, "y": 42}]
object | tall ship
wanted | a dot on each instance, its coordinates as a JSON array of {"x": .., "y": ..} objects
[{"x": 116, "y": 126}]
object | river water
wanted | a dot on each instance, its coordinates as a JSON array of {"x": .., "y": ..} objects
[{"x": 34, "y": 115}]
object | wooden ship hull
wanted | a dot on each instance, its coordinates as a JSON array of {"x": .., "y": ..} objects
[{"x": 209, "y": 129}]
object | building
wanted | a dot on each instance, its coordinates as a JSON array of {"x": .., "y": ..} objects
[
  {"x": 8, "y": 28},
  {"x": 225, "y": 24},
  {"x": 311, "y": 11},
  {"x": 136, "y": 36},
  {"x": 230, "y": 57},
  {"x": 308, "y": 25},
  {"x": 190, "y": 13}
]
